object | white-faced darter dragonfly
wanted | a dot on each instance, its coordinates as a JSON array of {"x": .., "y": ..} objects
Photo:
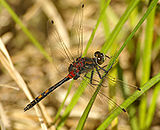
[{"x": 82, "y": 65}]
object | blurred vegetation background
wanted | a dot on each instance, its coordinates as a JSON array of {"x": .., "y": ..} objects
[{"x": 30, "y": 54}]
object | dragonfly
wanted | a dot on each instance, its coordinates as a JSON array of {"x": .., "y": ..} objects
[{"x": 78, "y": 67}]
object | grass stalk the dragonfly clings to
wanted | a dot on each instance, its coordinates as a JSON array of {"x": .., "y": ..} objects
[
  {"x": 130, "y": 100},
  {"x": 146, "y": 66},
  {"x": 136, "y": 94},
  {"x": 84, "y": 83},
  {"x": 123, "y": 19},
  {"x": 145, "y": 87},
  {"x": 106, "y": 45},
  {"x": 65, "y": 115}
]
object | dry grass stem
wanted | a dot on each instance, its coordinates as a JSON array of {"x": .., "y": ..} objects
[{"x": 7, "y": 63}]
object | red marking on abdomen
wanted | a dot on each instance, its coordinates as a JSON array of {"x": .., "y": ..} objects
[{"x": 71, "y": 75}]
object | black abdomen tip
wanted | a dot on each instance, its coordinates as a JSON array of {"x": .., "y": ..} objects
[{"x": 27, "y": 108}]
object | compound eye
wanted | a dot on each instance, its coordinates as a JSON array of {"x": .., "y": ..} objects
[{"x": 99, "y": 56}]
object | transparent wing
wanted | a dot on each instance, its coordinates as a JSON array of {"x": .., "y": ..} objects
[
  {"x": 77, "y": 29},
  {"x": 112, "y": 81},
  {"x": 113, "y": 86},
  {"x": 104, "y": 98},
  {"x": 55, "y": 41}
]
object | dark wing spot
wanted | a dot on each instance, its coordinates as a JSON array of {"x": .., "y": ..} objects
[
  {"x": 82, "y": 5},
  {"x": 52, "y": 22}
]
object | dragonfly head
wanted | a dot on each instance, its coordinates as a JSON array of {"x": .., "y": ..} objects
[{"x": 100, "y": 57}]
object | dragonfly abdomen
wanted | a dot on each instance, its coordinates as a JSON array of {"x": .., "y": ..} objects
[{"x": 45, "y": 93}]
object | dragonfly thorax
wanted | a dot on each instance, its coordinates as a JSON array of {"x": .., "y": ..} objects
[
  {"x": 99, "y": 57},
  {"x": 81, "y": 65}
]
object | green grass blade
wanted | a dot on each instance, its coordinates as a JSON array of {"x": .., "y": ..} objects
[
  {"x": 95, "y": 28},
  {"x": 157, "y": 44},
  {"x": 25, "y": 30},
  {"x": 136, "y": 28},
  {"x": 129, "y": 101},
  {"x": 82, "y": 121},
  {"x": 72, "y": 103},
  {"x": 146, "y": 65},
  {"x": 112, "y": 16},
  {"x": 133, "y": 18},
  {"x": 132, "y": 118},
  {"x": 119, "y": 25},
  {"x": 62, "y": 105},
  {"x": 88, "y": 108},
  {"x": 84, "y": 83},
  {"x": 132, "y": 109},
  {"x": 151, "y": 111},
  {"x": 105, "y": 20}
]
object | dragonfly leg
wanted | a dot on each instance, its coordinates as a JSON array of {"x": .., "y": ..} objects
[
  {"x": 91, "y": 79},
  {"x": 98, "y": 72},
  {"x": 102, "y": 68},
  {"x": 108, "y": 57}
]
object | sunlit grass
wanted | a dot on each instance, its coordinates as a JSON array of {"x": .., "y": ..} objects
[
  {"x": 130, "y": 15},
  {"x": 136, "y": 94}
]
